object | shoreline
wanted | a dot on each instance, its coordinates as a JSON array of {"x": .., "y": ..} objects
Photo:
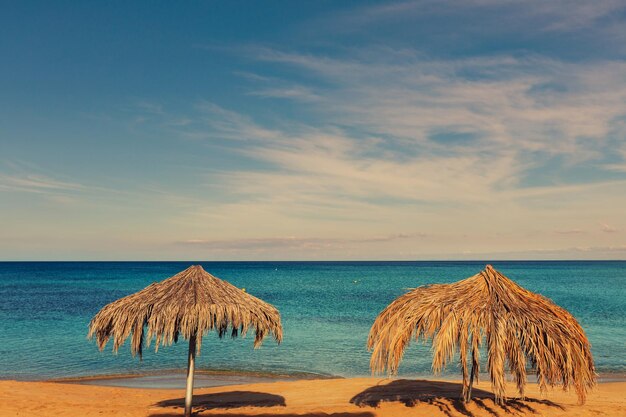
[
  {"x": 175, "y": 378},
  {"x": 217, "y": 372}
]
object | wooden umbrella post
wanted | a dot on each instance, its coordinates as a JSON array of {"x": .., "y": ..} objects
[
  {"x": 469, "y": 390},
  {"x": 468, "y": 398},
  {"x": 190, "y": 369}
]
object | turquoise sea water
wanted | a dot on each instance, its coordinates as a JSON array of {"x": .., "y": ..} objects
[{"x": 327, "y": 309}]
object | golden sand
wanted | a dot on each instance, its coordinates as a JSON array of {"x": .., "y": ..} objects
[{"x": 355, "y": 397}]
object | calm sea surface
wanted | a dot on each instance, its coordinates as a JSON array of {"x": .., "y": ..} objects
[{"x": 327, "y": 310}]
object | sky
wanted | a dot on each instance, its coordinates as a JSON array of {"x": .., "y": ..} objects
[{"x": 319, "y": 130}]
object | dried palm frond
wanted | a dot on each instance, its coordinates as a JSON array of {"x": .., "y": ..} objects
[
  {"x": 518, "y": 327},
  {"x": 192, "y": 302}
]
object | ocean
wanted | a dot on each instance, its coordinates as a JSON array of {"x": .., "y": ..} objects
[{"x": 327, "y": 309}]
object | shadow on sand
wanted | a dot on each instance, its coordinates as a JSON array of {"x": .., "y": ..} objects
[
  {"x": 445, "y": 396},
  {"x": 237, "y": 399},
  {"x": 231, "y": 399},
  {"x": 365, "y": 414}
]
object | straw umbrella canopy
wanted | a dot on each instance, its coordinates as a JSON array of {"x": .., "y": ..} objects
[
  {"x": 189, "y": 304},
  {"x": 519, "y": 327}
]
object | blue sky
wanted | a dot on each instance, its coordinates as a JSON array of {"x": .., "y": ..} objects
[{"x": 480, "y": 129}]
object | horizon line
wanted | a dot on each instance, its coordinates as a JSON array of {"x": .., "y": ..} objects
[{"x": 320, "y": 260}]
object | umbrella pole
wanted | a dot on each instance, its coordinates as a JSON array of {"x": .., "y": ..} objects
[
  {"x": 468, "y": 398},
  {"x": 190, "y": 369}
]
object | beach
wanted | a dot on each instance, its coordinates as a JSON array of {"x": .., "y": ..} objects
[
  {"x": 378, "y": 208},
  {"x": 350, "y": 397},
  {"x": 320, "y": 369}
]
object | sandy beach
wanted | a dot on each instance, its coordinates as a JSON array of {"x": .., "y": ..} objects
[
  {"x": 354, "y": 397},
  {"x": 313, "y": 209}
]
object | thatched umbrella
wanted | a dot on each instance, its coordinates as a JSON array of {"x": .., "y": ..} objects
[
  {"x": 519, "y": 326},
  {"x": 189, "y": 304}
]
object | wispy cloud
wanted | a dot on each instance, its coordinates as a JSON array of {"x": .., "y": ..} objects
[
  {"x": 557, "y": 15},
  {"x": 607, "y": 228},
  {"x": 292, "y": 242},
  {"x": 525, "y": 103},
  {"x": 406, "y": 139},
  {"x": 398, "y": 125},
  {"x": 34, "y": 183},
  {"x": 287, "y": 92},
  {"x": 570, "y": 232}
]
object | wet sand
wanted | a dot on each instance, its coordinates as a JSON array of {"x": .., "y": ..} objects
[{"x": 178, "y": 379}]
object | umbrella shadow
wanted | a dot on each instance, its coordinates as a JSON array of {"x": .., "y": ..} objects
[
  {"x": 363, "y": 414},
  {"x": 226, "y": 400},
  {"x": 445, "y": 396}
]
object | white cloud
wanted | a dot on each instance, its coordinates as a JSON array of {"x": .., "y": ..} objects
[
  {"x": 293, "y": 242},
  {"x": 607, "y": 228},
  {"x": 35, "y": 183},
  {"x": 570, "y": 232},
  {"x": 374, "y": 158},
  {"x": 553, "y": 16},
  {"x": 398, "y": 101},
  {"x": 509, "y": 101}
]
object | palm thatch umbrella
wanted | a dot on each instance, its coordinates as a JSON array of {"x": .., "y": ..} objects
[
  {"x": 519, "y": 326},
  {"x": 189, "y": 304}
]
